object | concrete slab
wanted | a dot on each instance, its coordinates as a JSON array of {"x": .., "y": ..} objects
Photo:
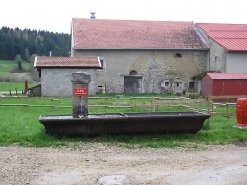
[{"x": 113, "y": 180}]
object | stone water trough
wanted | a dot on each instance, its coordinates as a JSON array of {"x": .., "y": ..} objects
[
  {"x": 81, "y": 123},
  {"x": 124, "y": 123}
]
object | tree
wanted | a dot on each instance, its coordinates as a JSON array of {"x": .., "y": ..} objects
[
  {"x": 2, "y": 51},
  {"x": 17, "y": 58},
  {"x": 28, "y": 42},
  {"x": 20, "y": 66},
  {"x": 26, "y": 55}
]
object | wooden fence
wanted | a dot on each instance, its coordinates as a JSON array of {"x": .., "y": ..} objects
[
  {"x": 206, "y": 105},
  {"x": 152, "y": 103}
]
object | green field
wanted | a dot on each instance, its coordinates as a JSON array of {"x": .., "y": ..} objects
[
  {"x": 7, "y": 76},
  {"x": 6, "y": 86},
  {"x": 7, "y": 65},
  {"x": 20, "y": 126}
]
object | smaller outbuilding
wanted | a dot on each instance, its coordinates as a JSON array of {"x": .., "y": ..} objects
[
  {"x": 55, "y": 73},
  {"x": 224, "y": 84}
]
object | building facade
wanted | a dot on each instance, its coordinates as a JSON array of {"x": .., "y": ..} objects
[
  {"x": 55, "y": 73},
  {"x": 142, "y": 56}
]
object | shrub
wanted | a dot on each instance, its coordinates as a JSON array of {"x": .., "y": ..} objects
[{"x": 193, "y": 96}]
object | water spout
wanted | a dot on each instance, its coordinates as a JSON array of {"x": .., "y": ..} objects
[{"x": 81, "y": 106}]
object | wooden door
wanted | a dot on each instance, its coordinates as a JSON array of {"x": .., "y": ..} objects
[{"x": 132, "y": 84}]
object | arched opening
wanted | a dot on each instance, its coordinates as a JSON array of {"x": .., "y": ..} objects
[{"x": 133, "y": 72}]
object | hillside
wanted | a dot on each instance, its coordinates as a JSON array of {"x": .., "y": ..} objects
[
  {"x": 8, "y": 73},
  {"x": 28, "y": 42},
  {"x": 7, "y": 65}
]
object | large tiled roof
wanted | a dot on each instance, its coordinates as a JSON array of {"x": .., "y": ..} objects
[
  {"x": 67, "y": 62},
  {"x": 129, "y": 34},
  {"x": 233, "y": 37}
]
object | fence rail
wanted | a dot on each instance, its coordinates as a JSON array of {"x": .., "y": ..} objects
[{"x": 154, "y": 103}]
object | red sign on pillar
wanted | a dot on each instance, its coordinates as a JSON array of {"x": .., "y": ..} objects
[{"x": 80, "y": 91}]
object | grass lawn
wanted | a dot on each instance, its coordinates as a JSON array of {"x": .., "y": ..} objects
[
  {"x": 7, "y": 65},
  {"x": 6, "y": 86},
  {"x": 6, "y": 76},
  {"x": 20, "y": 126}
]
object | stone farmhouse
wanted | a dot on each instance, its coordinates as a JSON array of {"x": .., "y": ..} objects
[
  {"x": 126, "y": 56},
  {"x": 141, "y": 56},
  {"x": 145, "y": 56}
]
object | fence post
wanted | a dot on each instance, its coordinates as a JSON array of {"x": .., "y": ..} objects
[
  {"x": 227, "y": 111},
  {"x": 52, "y": 103},
  {"x": 26, "y": 103},
  {"x": 105, "y": 103},
  {"x": 153, "y": 104},
  {"x": 208, "y": 109},
  {"x": 131, "y": 104},
  {"x": 16, "y": 92}
]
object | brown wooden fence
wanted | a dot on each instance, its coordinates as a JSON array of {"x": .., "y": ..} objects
[{"x": 154, "y": 103}]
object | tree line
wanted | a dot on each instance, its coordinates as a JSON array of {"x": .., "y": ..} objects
[{"x": 25, "y": 43}]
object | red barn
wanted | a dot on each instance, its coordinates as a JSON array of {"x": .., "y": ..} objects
[{"x": 224, "y": 84}]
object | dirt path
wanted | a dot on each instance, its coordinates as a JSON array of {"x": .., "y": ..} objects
[{"x": 96, "y": 163}]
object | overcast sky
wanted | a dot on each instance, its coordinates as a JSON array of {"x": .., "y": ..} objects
[{"x": 56, "y": 15}]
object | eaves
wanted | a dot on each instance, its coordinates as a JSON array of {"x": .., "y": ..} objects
[
  {"x": 67, "y": 67},
  {"x": 162, "y": 49}
]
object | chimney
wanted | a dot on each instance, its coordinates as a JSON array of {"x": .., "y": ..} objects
[{"x": 92, "y": 15}]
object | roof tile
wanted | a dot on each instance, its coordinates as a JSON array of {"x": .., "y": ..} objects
[
  {"x": 230, "y": 76},
  {"x": 233, "y": 37},
  {"x": 129, "y": 34},
  {"x": 67, "y": 62}
]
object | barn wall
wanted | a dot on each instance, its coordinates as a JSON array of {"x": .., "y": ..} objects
[
  {"x": 236, "y": 62},
  {"x": 217, "y": 56},
  {"x": 207, "y": 86},
  {"x": 224, "y": 87},
  {"x": 57, "y": 81},
  {"x": 156, "y": 67}
]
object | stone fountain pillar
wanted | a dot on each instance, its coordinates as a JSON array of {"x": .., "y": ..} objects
[{"x": 80, "y": 89}]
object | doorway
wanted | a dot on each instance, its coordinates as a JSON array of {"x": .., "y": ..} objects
[
  {"x": 177, "y": 87},
  {"x": 133, "y": 84}
]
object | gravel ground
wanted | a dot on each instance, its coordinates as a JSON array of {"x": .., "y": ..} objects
[{"x": 96, "y": 163}]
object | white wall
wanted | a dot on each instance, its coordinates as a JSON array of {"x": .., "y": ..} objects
[{"x": 236, "y": 62}]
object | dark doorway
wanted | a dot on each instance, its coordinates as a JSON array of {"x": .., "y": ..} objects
[{"x": 133, "y": 84}]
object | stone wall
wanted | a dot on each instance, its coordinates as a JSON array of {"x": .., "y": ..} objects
[
  {"x": 155, "y": 66},
  {"x": 57, "y": 81},
  {"x": 217, "y": 57}
]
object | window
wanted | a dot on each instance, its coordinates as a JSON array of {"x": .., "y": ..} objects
[
  {"x": 133, "y": 72},
  {"x": 191, "y": 85},
  {"x": 166, "y": 84},
  {"x": 216, "y": 59},
  {"x": 178, "y": 55},
  {"x": 102, "y": 63}
]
